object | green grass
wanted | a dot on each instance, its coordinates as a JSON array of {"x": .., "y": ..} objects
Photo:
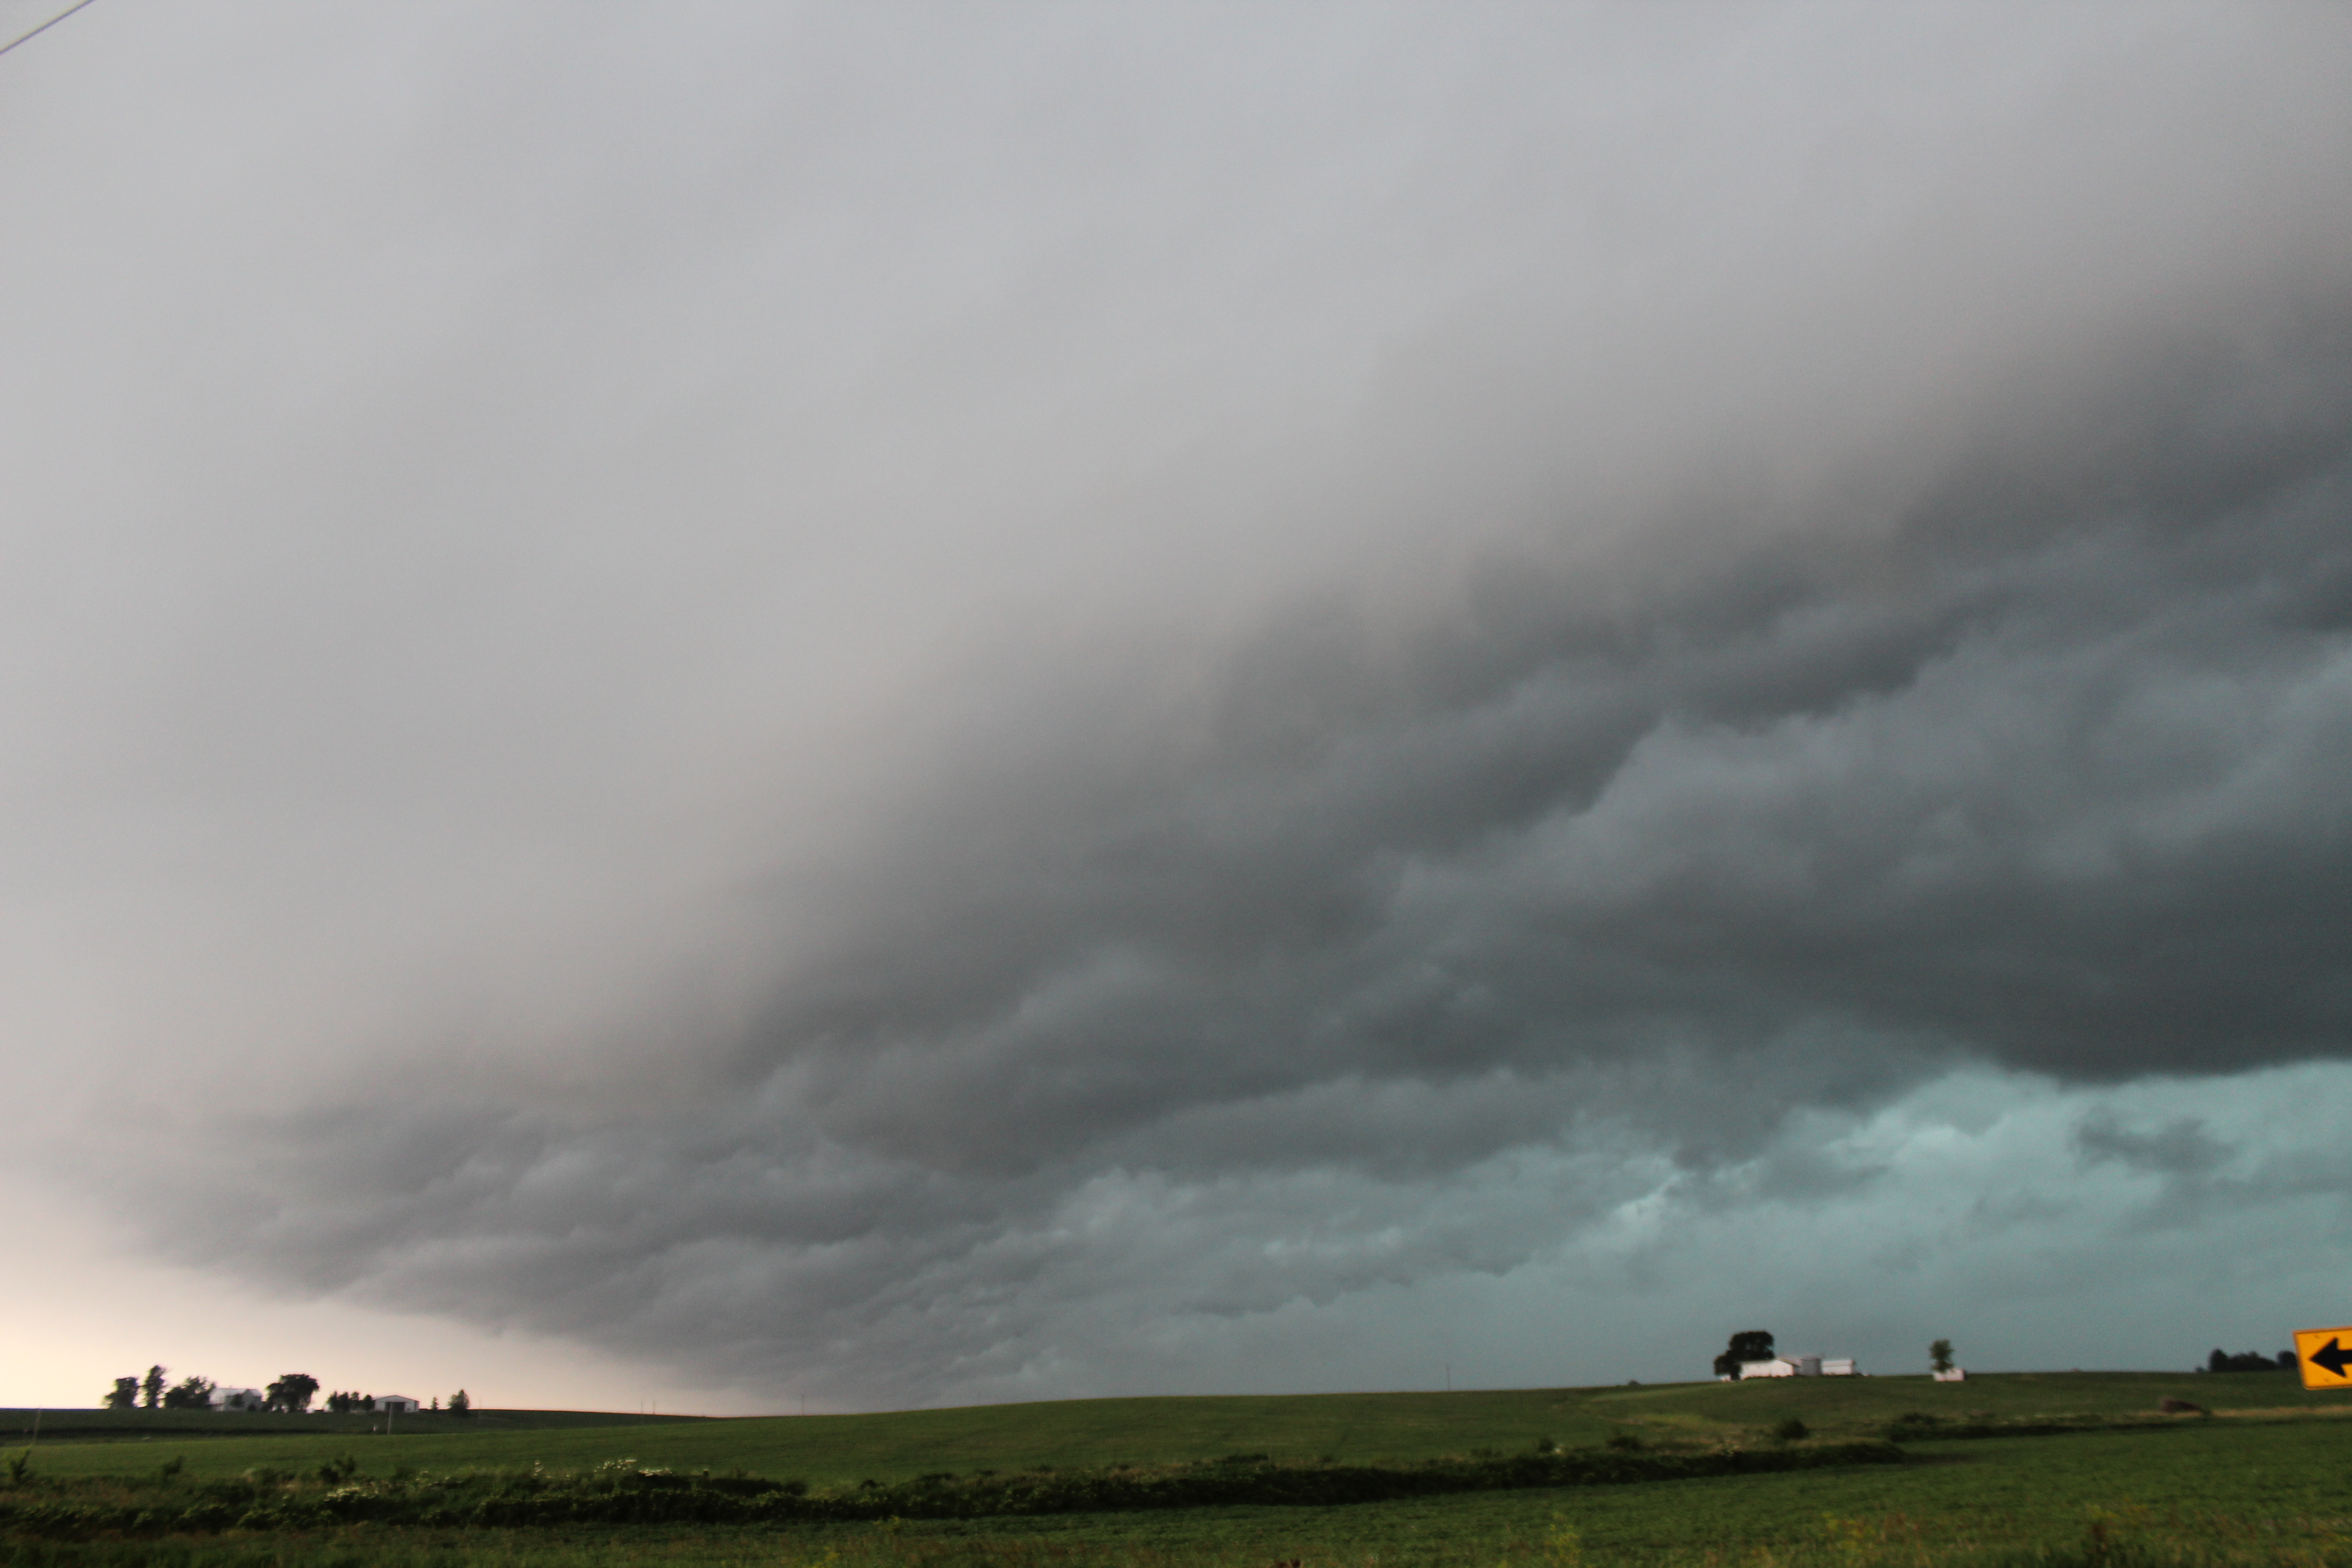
[
  {"x": 1353, "y": 1427},
  {"x": 2196, "y": 1494}
]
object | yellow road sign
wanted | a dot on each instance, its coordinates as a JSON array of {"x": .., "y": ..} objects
[{"x": 2325, "y": 1357}]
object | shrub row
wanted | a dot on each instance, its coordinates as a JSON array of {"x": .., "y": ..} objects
[
  {"x": 1916, "y": 1427},
  {"x": 620, "y": 1494}
]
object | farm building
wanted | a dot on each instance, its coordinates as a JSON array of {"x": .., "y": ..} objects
[
  {"x": 398, "y": 1404},
  {"x": 1799, "y": 1366},
  {"x": 240, "y": 1399}
]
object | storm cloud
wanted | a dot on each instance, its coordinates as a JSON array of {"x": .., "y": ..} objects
[{"x": 921, "y": 706}]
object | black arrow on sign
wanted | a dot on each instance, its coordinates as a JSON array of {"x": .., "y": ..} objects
[{"x": 2332, "y": 1356}]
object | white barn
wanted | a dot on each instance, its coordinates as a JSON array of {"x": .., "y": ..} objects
[
  {"x": 240, "y": 1399},
  {"x": 397, "y": 1403},
  {"x": 1799, "y": 1366}
]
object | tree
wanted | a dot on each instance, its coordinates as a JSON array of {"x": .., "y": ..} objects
[
  {"x": 125, "y": 1396},
  {"x": 292, "y": 1390},
  {"x": 1939, "y": 1355},
  {"x": 459, "y": 1404},
  {"x": 1749, "y": 1344},
  {"x": 189, "y": 1394},
  {"x": 152, "y": 1385}
]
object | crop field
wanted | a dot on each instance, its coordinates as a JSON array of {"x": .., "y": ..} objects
[{"x": 2105, "y": 1481}]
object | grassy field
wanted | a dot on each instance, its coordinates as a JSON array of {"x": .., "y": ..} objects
[
  {"x": 2272, "y": 1483},
  {"x": 56, "y": 1426},
  {"x": 1352, "y": 1428}
]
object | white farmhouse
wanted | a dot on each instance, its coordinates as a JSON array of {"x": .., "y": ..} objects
[
  {"x": 1956, "y": 1374},
  {"x": 240, "y": 1399}
]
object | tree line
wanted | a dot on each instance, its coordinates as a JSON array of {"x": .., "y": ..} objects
[{"x": 292, "y": 1393}]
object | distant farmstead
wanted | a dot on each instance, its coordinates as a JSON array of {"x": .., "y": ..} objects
[
  {"x": 397, "y": 1403},
  {"x": 1798, "y": 1366},
  {"x": 240, "y": 1399}
]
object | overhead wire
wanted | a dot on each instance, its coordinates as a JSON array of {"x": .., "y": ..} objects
[{"x": 45, "y": 27}]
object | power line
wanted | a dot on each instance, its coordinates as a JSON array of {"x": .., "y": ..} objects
[{"x": 45, "y": 27}]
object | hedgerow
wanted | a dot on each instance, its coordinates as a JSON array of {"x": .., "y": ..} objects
[{"x": 621, "y": 1492}]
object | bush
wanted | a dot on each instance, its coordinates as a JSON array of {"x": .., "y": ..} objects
[
  {"x": 1792, "y": 1431},
  {"x": 204, "y": 1519}
]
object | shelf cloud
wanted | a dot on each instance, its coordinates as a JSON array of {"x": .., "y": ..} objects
[{"x": 917, "y": 706}]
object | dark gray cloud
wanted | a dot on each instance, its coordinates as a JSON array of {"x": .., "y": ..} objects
[
  {"x": 1041, "y": 705},
  {"x": 2043, "y": 772}
]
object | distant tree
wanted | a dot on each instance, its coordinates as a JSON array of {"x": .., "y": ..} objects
[
  {"x": 292, "y": 1392},
  {"x": 152, "y": 1385},
  {"x": 2286, "y": 1361},
  {"x": 459, "y": 1404},
  {"x": 1749, "y": 1344},
  {"x": 1939, "y": 1355},
  {"x": 125, "y": 1396},
  {"x": 189, "y": 1394},
  {"x": 2250, "y": 1361},
  {"x": 436, "y": 1402}
]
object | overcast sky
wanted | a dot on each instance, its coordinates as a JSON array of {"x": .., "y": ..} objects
[{"x": 906, "y": 705}]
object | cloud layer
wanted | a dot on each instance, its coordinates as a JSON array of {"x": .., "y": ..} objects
[{"x": 922, "y": 708}]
